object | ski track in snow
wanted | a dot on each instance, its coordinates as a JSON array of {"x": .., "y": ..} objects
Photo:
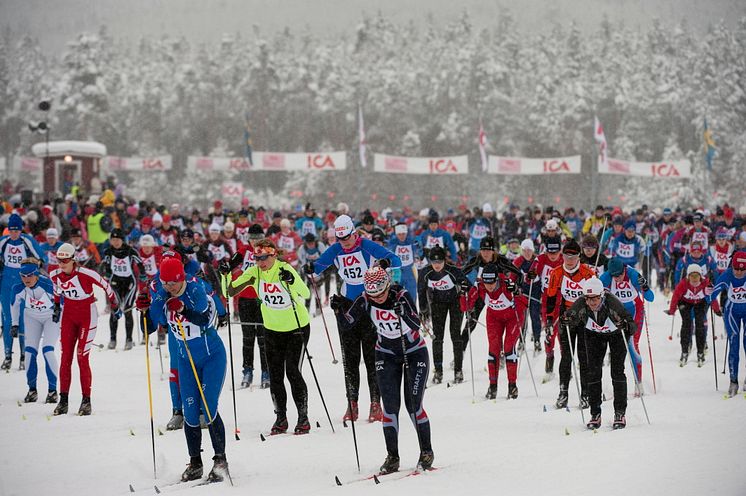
[{"x": 511, "y": 446}]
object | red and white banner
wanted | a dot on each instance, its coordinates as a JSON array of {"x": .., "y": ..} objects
[
  {"x": 533, "y": 166},
  {"x": 483, "y": 147},
  {"x": 28, "y": 164},
  {"x": 231, "y": 190},
  {"x": 421, "y": 165},
  {"x": 267, "y": 161},
  {"x": 677, "y": 169},
  {"x": 132, "y": 164}
]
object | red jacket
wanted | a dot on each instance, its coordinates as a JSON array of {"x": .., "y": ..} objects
[
  {"x": 499, "y": 303},
  {"x": 686, "y": 293}
]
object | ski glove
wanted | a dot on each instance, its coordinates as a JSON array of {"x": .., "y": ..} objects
[
  {"x": 235, "y": 261},
  {"x": 143, "y": 300},
  {"x": 286, "y": 276},
  {"x": 643, "y": 284},
  {"x": 56, "y": 313},
  {"x": 464, "y": 287},
  {"x": 309, "y": 267},
  {"x": 14, "y": 331},
  {"x": 668, "y": 312},
  {"x": 531, "y": 275},
  {"x": 511, "y": 286},
  {"x": 384, "y": 263},
  {"x": 222, "y": 320},
  {"x": 224, "y": 267},
  {"x": 339, "y": 303},
  {"x": 175, "y": 305},
  {"x": 717, "y": 311},
  {"x": 424, "y": 315}
]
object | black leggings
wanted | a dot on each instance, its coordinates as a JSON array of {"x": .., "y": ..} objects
[
  {"x": 284, "y": 351},
  {"x": 125, "y": 289},
  {"x": 440, "y": 311},
  {"x": 250, "y": 312},
  {"x": 596, "y": 343},
  {"x": 360, "y": 339},
  {"x": 699, "y": 311}
]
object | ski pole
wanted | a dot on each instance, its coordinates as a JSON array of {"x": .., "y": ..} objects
[
  {"x": 323, "y": 318},
  {"x": 305, "y": 350},
  {"x": 150, "y": 391},
  {"x": 650, "y": 349},
  {"x": 224, "y": 284},
  {"x": 471, "y": 357},
  {"x": 714, "y": 349},
  {"x": 522, "y": 335},
  {"x": 725, "y": 357},
  {"x": 600, "y": 240},
  {"x": 347, "y": 393},
  {"x": 637, "y": 384},
  {"x": 160, "y": 354},
  {"x": 673, "y": 319},
  {"x": 574, "y": 368}
]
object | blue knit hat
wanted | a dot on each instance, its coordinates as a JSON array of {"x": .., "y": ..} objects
[
  {"x": 28, "y": 269},
  {"x": 630, "y": 224},
  {"x": 15, "y": 223},
  {"x": 615, "y": 267}
]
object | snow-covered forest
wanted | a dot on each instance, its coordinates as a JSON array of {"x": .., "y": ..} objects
[{"x": 423, "y": 91}]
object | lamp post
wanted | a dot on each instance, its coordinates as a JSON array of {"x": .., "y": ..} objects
[{"x": 42, "y": 127}]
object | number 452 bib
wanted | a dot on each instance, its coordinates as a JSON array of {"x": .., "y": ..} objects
[{"x": 352, "y": 267}]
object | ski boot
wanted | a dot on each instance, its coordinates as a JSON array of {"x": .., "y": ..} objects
[
  {"x": 61, "y": 408},
  {"x": 584, "y": 401},
  {"x": 219, "y": 469},
  {"x": 176, "y": 422},
  {"x": 537, "y": 347},
  {"x": 390, "y": 464},
  {"x": 549, "y": 365},
  {"x": 6, "y": 363},
  {"x": 161, "y": 338},
  {"x": 51, "y": 397},
  {"x": 85, "y": 406},
  {"x": 512, "y": 391},
  {"x": 491, "y": 392},
  {"x": 248, "y": 377},
  {"x": 375, "y": 414},
  {"x": 303, "y": 426},
  {"x": 620, "y": 422},
  {"x": 700, "y": 359},
  {"x": 458, "y": 377},
  {"x": 265, "y": 380},
  {"x": 280, "y": 426},
  {"x": 595, "y": 421},
  {"x": 193, "y": 470},
  {"x": 352, "y": 412},
  {"x": 438, "y": 376},
  {"x": 733, "y": 389},
  {"x": 112, "y": 344},
  {"x": 22, "y": 365},
  {"x": 562, "y": 398},
  {"x": 128, "y": 345},
  {"x": 683, "y": 359},
  {"x": 31, "y": 396},
  {"x": 427, "y": 457}
]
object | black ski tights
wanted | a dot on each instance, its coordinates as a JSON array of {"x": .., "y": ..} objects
[{"x": 217, "y": 435}]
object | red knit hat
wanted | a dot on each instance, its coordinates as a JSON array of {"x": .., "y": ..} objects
[{"x": 172, "y": 270}]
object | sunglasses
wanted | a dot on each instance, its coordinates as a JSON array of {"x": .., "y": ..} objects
[
  {"x": 344, "y": 238},
  {"x": 169, "y": 283},
  {"x": 262, "y": 258},
  {"x": 30, "y": 275},
  {"x": 64, "y": 260},
  {"x": 593, "y": 298}
]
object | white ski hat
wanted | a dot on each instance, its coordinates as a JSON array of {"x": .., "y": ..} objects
[
  {"x": 52, "y": 233},
  {"x": 229, "y": 226},
  {"x": 343, "y": 226},
  {"x": 552, "y": 225},
  {"x": 487, "y": 208},
  {"x": 527, "y": 244},
  {"x": 401, "y": 229},
  {"x": 157, "y": 217},
  {"x": 147, "y": 240},
  {"x": 215, "y": 227},
  {"x": 593, "y": 287},
  {"x": 694, "y": 269},
  {"x": 66, "y": 250},
  {"x": 425, "y": 212}
]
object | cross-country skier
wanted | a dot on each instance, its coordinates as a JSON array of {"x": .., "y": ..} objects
[
  {"x": 435, "y": 236},
  {"x": 530, "y": 296},
  {"x": 75, "y": 309},
  {"x": 36, "y": 294},
  {"x": 49, "y": 248},
  {"x": 605, "y": 323},
  {"x": 627, "y": 246},
  {"x": 409, "y": 252},
  {"x": 401, "y": 351}
]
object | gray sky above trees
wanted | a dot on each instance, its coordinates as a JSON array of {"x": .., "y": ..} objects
[{"x": 58, "y": 21}]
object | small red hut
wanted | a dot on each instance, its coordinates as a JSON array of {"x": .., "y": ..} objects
[{"x": 69, "y": 162}]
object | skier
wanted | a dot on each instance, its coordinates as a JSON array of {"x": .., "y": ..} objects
[
  {"x": 353, "y": 255},
  {"x": 721, "y": 251},
  {"x": 118, "y": 266},
  {"x": 400, "y": 351},
  {"x": 183, "y": 305},
  {"x": 697, "y": 255},
  {"x": 628, "y": 245},
  {"x": 75, "y": 304},
  {"x": 309, "y": 251},
  {"x": 604, "y": 322},
  {"x": 282, "y": 293},
  {"x": 36, "y": 294},
  {"x": 438, "y": 288},
  {"x": 86, "y": 253},
  {"x": 309, "y": 223},
  {"x": 733, "y": 283},
  {"x": 409, "y": 252},
  {"x": 435, "y": 236},
  {"x": 690, "y": 299},
  {"x": 591, "y": 256},
  {"x": 49, "y": 248},
  {"x": 630, "y": 288},
  {"x": 479, "y": 227},
  {"x": 498, "y": 293},
  {"x": 289, "y": 241},
  {"x": 564, "y": 288},
  {"x": 14, "y": 248}
]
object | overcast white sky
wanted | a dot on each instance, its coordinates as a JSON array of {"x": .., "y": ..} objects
[{"x": 54, "y": 22}]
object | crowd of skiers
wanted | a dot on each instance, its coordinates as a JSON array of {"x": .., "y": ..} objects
[{"x": 392, "y": 278}]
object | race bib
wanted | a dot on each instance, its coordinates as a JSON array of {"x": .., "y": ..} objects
[
  {"x": 604, "y": 328},
  {"x": 433, "y": 241},
  {"x": 38, "y": 304},
  {"x": 545, "y": 277},
  {"x": 722, "y": 260},
  {"x": 700, "y": 237},
  {"x": 121, "y": 267},
  {"x": 308, "y": 226},
  {"x": 388, "y": 323},
  {"x": 443, "y": 284},
  {"x": 82, "y": 255},
  {"x": 571, "y": 290},
  {"x": 500, "y": 303},
  {"x": 624, "y": 291},
  {"x": 479, "y": 231},
  {"x": 151, "y": 268},
  {"x": 694, "y": 295},
  {"x": 273, "y": 295},
  {"x": 286, "y": 243},
  {"x": 242, "y": 234},
  {"x": 405, "y": 254},
  {"x": 737, "y": 294},
  {"x": 352, "y": 267},
  {"x": 52, "y": 258},
  {"x": 624, "y": 250},
  {"x": 13, "y": 255},
  {"x": 218, "y": 251},
  {"x": 248, "y": 260},
  {"x": 191, "y": 331},
  {"x": 72, "y": 289}
]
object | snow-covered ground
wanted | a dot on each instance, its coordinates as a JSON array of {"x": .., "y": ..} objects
[{"x": 694, "y": 444}]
